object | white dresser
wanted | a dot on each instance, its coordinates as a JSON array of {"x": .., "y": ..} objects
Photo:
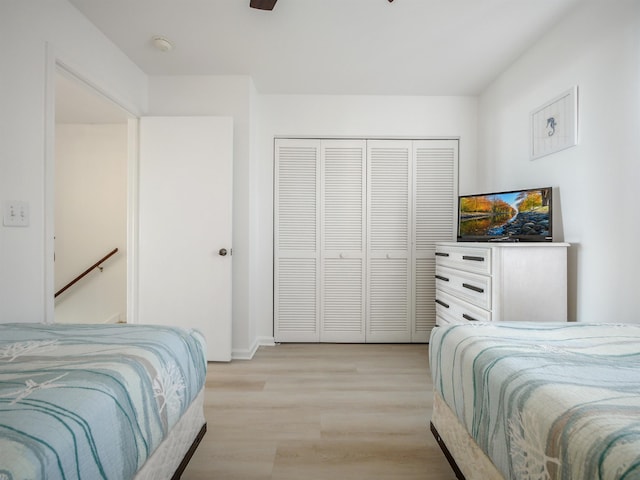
[{"x": 501, "y": 282}]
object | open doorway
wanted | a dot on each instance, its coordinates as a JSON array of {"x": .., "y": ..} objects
[{"x": 90, "y": 204}]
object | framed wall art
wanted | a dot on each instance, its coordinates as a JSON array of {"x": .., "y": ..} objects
[{"x": 554, "y": 125}]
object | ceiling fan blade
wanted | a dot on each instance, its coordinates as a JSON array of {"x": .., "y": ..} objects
[{"x": 263, "y": 4}]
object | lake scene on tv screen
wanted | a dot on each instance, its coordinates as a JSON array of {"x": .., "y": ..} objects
[{"x": 512, "y": 214}]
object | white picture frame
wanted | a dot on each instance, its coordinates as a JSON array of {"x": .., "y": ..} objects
[{"x": 554, "y": 125}]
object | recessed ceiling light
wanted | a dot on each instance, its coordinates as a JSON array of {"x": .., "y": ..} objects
[{"x": 162, "y": 44}]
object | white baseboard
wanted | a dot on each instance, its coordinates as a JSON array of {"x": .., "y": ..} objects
[{"x": 247, "y": 354}]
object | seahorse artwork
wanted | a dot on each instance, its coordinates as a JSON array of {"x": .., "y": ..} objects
[{"x": 551, "y": 125}]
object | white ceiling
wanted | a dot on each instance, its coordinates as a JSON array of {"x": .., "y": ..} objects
[{"x": 408, "y": 47}]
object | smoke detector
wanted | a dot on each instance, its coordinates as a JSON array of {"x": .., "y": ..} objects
[{"x": 162, "y": 44}]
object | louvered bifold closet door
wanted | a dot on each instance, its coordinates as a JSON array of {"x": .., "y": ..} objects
[
  {"x": 435, "y": 216},
  {"x": 296, "y": 241},
  {"x": 342, "y": 274},
  {"x": 389, "y": 235}
]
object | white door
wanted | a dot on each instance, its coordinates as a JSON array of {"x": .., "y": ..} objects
[
  {"x": 297, "y": 241},
  {"x": 184, "y": 237},
  {"x": 319, "y": 240},
  {"x": 342, "y": 272},
  {"x": 389, "y": 234},
  {"x": 435, "y": 218},
  {"x": 356, "y": 223}
]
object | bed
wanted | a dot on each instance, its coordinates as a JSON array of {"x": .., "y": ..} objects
[
  {"x": 99, "y": 401},
  {"x": 538, "y": 401}
]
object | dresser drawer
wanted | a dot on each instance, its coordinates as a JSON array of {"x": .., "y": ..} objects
[
  {"x": 452, "y": 310},
  {"x": 468, "y": 286},
  {"x": 477, "y": 260}
]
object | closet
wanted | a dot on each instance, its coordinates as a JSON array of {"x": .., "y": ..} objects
[{"x": 355, "y": 227}]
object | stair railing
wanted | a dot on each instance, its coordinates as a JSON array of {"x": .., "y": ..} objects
[{"x": 87, "y": 271}]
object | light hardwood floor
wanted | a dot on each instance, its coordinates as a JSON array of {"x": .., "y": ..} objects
[{"x": 320, "y": 411}]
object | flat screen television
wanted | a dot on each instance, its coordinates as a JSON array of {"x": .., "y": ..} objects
[{"x": 516, "y": 216}]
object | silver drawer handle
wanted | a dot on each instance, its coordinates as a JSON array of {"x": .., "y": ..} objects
[{"x": 473, "y": 287}]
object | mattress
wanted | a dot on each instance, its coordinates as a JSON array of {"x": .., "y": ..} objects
[
  {"x": 92, "y": 401},
  {"x": 543, "y": 400}
]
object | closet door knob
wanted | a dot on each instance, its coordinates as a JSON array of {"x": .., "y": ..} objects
[{"x": 222, "y": 252}]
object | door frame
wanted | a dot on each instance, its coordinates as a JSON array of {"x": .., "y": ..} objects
[{"x": 53, "y": 63}]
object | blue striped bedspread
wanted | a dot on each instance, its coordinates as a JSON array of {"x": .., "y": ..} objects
[
  {"x": 545, "y": 400},
  {"x": 91, "y": 401}
]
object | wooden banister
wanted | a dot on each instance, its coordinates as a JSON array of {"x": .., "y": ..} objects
[{"x": 88, "y": 270}]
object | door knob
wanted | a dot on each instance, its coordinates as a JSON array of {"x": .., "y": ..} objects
[{"x": 222, "y": 252}]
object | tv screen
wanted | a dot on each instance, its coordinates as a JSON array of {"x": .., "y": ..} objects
[{"x": 518, "y": 215}]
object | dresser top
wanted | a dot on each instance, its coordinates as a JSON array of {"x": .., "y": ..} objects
[{"x": 505, "y": 244}]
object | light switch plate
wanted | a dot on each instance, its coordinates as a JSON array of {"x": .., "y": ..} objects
[{"x": 16, "y": 214}]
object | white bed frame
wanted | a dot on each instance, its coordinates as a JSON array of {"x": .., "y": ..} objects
[
  {"x": 172, "y": 456},
  {"x": 466, "y": 458}
]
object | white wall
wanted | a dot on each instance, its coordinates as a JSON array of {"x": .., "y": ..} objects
[
  {"x": 341, "y": 116},
  {"x": 27, "y": 30},
  {"x": 91, "y": 220},
  {"x": 597, "y": 48}
]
